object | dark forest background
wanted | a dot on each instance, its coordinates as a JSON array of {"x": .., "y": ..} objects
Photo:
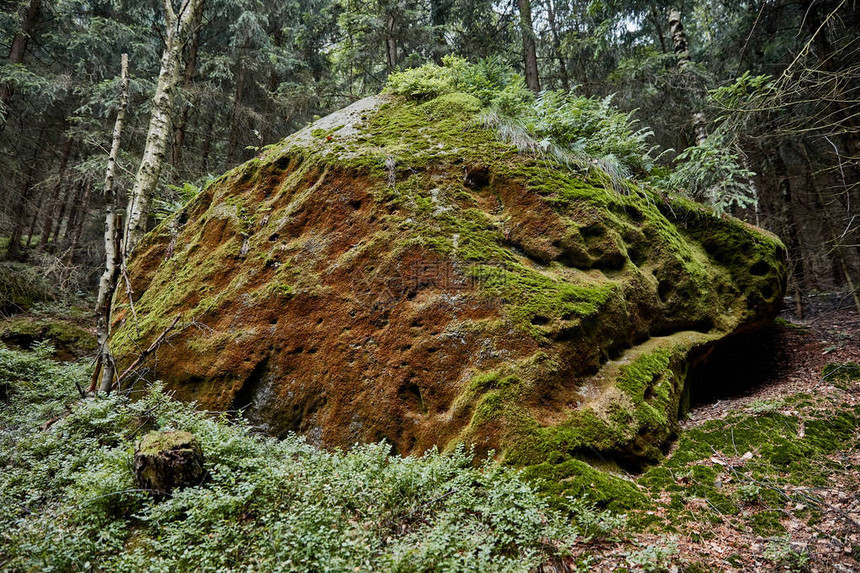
[{"x": 774, "y": 82}]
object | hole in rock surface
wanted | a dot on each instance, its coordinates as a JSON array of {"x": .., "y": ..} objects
[
  {"x": 244, "y": 398},
  {"x": 476, "y": 176},
  {"x": 737, "y": 366},
  {"x": 760, "y": 268}
]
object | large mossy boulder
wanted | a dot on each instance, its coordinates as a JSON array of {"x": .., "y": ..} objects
[{"x": 397, "y": 271}]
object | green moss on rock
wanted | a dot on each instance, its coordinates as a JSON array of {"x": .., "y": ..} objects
[
  {"x": 400, "y": 270},
  {"x": 69, "y": 339},
  {"x": 577, "y": 479},
  {"x": 845, "y": 372}
]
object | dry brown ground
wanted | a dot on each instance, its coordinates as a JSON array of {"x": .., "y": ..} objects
[{"x": 828, "y": 542}]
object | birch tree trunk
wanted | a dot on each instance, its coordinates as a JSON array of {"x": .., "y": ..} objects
[
  {"x": 107, "y": 283},
  {"x": 679, "y": 38},
  {"x": 160, "y": 128},
  {"x": 682, "y": 49}
]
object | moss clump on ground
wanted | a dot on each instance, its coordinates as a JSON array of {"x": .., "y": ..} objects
[
  {"x": 155, "y": 443},
  {"x": 749, "y": 472},
  {"x": 576, "y": 479},
  {"x": 753, "y": 462},
  {"x": 69, "y": 339},
  {"x": 841, "y": 372}
]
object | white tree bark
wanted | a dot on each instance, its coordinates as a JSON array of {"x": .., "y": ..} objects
[
  {"x": 178, "y": 26},
  {"x": 104, "y": 363},
  {"x": 160, "y": 127},
  {"x": 682, "y": 50},
  {"x": 700, "y": 127},
  {"x": 679, "y": 37}
]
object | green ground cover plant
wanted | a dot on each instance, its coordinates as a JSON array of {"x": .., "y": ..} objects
[{"x": 69, "y": 502}]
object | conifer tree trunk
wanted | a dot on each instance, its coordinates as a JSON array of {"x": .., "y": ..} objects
[
  {"x": 73, "y": 216},
  {"x": 787, "y": 223},
  {"x": 18, "y": 49},
  {"x": 77, "y": 224},
  {"x": 658, "y": 28},
  {"x": 19, "y": 212},
  {"x": 31, "y": 229},
  {"x": 187, "y": 77},
  {"x": 831, "y": 237},
  {"x": 391, "y": 42},
  {"x": 814, "y": 22},
  {"x": 206, "y": 148},
  {"x": 59, "y": 222},
  {"x": 267, "y": 121},
  {"x": 439, "y": 13},
  {"x": 56, "y": 197},
  {"x": 556, "y": 46},
  {"x": 529, "y": 48},
  {"x": 233, "y": 145},
  {"x": 104, "y": 371},
  {"x": 160, "y": 128}
]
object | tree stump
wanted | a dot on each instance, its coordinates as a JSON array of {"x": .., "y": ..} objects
[{"x": 165, "y": 461}]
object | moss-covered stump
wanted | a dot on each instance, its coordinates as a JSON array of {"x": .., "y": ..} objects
[
  {"x": 397, "y": 271},
  {"x": 165, "y": 461}
]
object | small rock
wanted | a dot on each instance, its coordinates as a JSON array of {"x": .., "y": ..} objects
[{"x": 165, "y": 461}]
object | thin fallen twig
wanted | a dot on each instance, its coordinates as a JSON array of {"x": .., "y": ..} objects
[
  {"x": 146, "y": 353},
  {"x": 130, "y": 294}
]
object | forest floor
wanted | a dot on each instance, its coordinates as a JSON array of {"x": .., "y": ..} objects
[
  {"x": 765, "y": 473},
  {"x": 766, "y": 479}
]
